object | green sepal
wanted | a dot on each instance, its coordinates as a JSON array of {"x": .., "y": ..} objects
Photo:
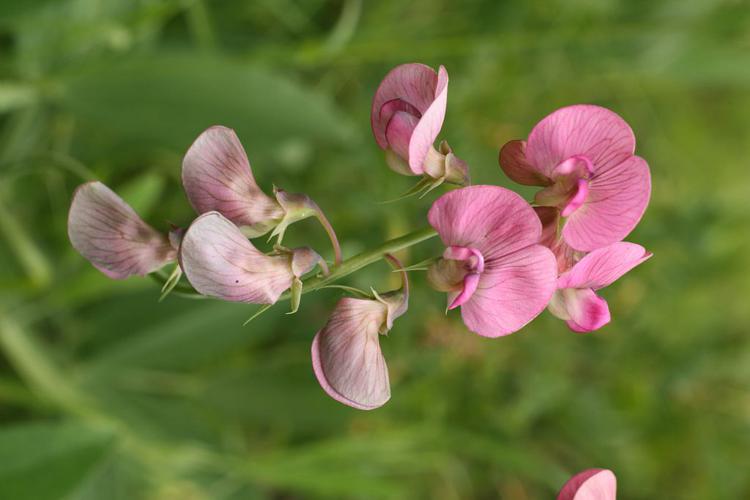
[
  {"x": 296, "y": 295},
  {"x": 171, "y": 282},
  {"x": 261, "y": 310}
]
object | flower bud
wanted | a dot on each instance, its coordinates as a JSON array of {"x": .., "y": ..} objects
[{"x": 407, "y": 114}]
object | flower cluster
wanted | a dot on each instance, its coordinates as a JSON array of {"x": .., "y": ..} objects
[
  {"x": 505, "y": 260},
  {"x": 595, "y": 191},
  {"x": 214, "y": 251}
]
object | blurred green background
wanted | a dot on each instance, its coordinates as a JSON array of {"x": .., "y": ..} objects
[{"x": 107, "y": 394}]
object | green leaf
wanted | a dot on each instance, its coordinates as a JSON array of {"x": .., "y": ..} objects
[
  {"x": 47, "y": 460},
  {"x": 119, "y": 477},
  {"x": 171, "y": 282},
  {"x": 166, "y": 100},
  {"x": 180, "y": 336},
  {"x": 257, "y": 313}
]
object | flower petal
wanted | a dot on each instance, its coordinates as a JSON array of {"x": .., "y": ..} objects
[
  {"x": 517, "y": 167},
  {"x": 512, "y": 291},
  {"x": 346, "y": 355},
  {"x": 412, "y": 83},
  {"x": 587, "y": 311},
  {"x": 603, "y": 266},
  {"x": 399, "y": 132},
  {"x": 429, "y": 125},
  {"x": 492, "y": 219},
  {"x": 616, "y": 201},
  {"x": 591, "y": 484},
  {"x": 216, "y": 175},
  {"x": 220, "y": 262},
  {"x": 470, "y": 284},
  {"x": 592, "y": 131},
  {"x": 108, "y": 232}
]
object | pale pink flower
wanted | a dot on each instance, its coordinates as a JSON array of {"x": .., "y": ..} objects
[
  {"x": 493, "y": 267},
  {"x": 583, "y": 155},
  {"x": 591, "y": 484},
  {"x": 346, "y": 355},
  {"x": 575, "y": 299},
  {"x": 407, "y": 114},
  {"x": 108, "y": 232},
  {"x": 219, "y": 261},
  {"x": 216, "y": 175}
]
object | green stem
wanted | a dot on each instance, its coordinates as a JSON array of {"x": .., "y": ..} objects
[
  {"x": 31, "y": 258},
  {"x": 200, "y": 25},
  {"x": 366, "y": 258},
  {"x": 32, "y": 364},
  {"x": 331, "y": 235}
]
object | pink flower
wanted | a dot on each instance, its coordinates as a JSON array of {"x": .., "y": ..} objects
[
  {"x": 407, "y": 114},
  {"x": 220, "y": 262},
  {"x": 493, "y": 267},
  {"x": 583, "y": 156},
  {"x": 576, "y": 301},
  {"x": 216, "y": 175},
  {"x": 346, "y": 355},
  {"x": 108, "y": 232},
  {"x": 591, "y": 484}
]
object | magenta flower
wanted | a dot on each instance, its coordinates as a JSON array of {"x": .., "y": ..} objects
[
  {"x": 576, "y": 301},
  {"x": 591, "y": 484},
  {"x": 110, "y": 235},
  {"x": 216, "y": 175},
  {"x": 346, "y": 355},
  {"x": 583, "y": 155},
  {"x": 493, "y": 267},
  {"x": 407, "y": 114},
  {"x": 220, "y": 262}
]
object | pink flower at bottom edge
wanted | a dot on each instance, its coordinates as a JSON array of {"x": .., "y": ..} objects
[{"x": 591, "y": 484}]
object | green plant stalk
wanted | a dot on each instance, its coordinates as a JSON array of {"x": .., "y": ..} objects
[
  {"x": 32, "y": 363},
  {"x": 347, "y": 267},
  {"x": 354, "y": 264},
  {"x": 31, "y": 258}
]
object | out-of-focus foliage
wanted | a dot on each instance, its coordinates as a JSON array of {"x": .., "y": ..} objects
[{"x": 105, "y": 393}]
